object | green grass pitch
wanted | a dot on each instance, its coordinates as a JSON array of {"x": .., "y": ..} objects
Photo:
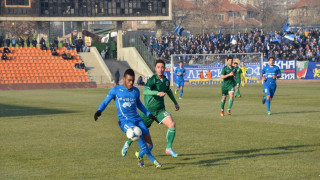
[{"x": 51, "y": 134}]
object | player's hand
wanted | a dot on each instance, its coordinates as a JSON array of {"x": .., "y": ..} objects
[
  {"x": 274, "y": 77},
  {"x": 161, "y": 94},
  {"x": 264, "y": 79},
  {"x": 177, "y": 107},
  {"x": 96, "y": 115},
  {"x": 153, "y": 117},
  {"x": 231, "y": 74},
  {"x": 179, "y": 74}
]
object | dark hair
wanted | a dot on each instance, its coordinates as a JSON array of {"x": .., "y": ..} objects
[
  {"x": 180, "y": 62},
  {"x": 129, "y": 72},
  {"x": 235, "y": 63},
  {"x": 160, "y": 61},
  {"x": 230, "y": 57},
  {"x": 270, "y": 58}
]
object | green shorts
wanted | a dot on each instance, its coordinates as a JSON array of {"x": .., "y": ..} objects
[
  {"x": 160, "y": 115},
  {"x": 226, "y": 89}
]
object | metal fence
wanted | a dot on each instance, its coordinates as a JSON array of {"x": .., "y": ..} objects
[{"x": 134, "y": 39}]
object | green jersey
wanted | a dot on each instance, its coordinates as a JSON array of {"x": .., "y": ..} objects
[
  {"x": 154, "y": 85},
  {"x": 229, "y": 81},
  {"x": 238, "y": 74}
]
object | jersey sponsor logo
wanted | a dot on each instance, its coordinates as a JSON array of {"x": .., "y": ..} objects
[
  {"x": 167, "y": 83},
  {"x": 126, "y": 104}
]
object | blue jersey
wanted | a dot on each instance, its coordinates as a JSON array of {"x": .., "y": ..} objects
[
  {"x": 179, "y": 73},
  {"x": 268, "y": 72},
  {"x": 127, "y": 102}
]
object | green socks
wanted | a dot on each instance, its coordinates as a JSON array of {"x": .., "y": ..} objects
[
  {"x": 170, "y": 136},
  {"x": 129, "y": 142},
  {"x": 222, "y": 105},
  {"x": 230, "y": 104}
]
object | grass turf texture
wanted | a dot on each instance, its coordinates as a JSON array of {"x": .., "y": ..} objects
[{"x": 51, "y": 134}]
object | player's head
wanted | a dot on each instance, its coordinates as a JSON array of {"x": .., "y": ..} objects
[
  {"x": 242, "y": 63},
  {"x": 271, "y": 61},
  {"x": 160, "y": 67},
  {"x": 229, "y": 60},
  {"x": 128, "y": 78},
  {"x": 235, "y": 64},
  {"x": 180, "y": 64}
]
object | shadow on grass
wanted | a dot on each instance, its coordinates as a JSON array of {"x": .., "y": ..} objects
[
  {"x": 250, "y": 153},
  {"x": 13, "y": 110}
]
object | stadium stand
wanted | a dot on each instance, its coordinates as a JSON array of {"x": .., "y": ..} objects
[{"x": 26, "y": 65}]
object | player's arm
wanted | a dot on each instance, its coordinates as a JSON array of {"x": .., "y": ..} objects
[
  {"x": 143, "y": 109},
  {"x": 147, "y": 90},
  {"x": 262, "y": 73},
  {"x": 184, "y": 72},
  {"x": 104, "y": 104},
  {"x": 224, "y": 75},
  {"x": 173, "y": 99}
]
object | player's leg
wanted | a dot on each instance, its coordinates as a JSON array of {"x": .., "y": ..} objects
[
  {"x": 171, "y": 133},
  {"x": 147, "y": 137},
  {"x": 144, "y": 149},
  {"x": 237, "y": 92},
  {"x": 178, "y": 87},
  {"x": 267, "y": 98},
  {"x": 224, "y": 92},
  {"x": 231, "y": 97},
  {"x": 181, "y": 89},
  {"x": 243, "y": 80}
]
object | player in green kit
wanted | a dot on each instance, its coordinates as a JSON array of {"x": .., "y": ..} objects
[
  {"x": 154, "y": 91},
  {"x": 238, "y": 79},
  {"x": 228, "y": 74}
]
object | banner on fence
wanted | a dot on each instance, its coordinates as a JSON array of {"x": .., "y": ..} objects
[
  {"x": 217, "y": 81},
  {"x": 193, "y": 71},
  {"x": 287, "y": 67},
  {"x": 301, "y": 69},
  {"x": 313, "y": 71}
]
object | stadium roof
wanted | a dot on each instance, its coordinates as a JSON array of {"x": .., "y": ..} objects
[{"x": 305, "y": 3}]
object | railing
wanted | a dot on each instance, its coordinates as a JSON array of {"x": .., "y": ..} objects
[{"x": 133, "y": 39}]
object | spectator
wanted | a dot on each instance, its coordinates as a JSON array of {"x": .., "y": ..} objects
[
  {"x": 82, "y": 65},
  {"x": 81, "y": 43},
  {"x": 117, "y": 76},
  {"x": 34, "y": 42},
  {"x": 42, "y": 41},
  {"x": 54, "y": 52},
  {"x": 28, "y": 42},
  {"x": 8, "y": 42},
  {"x": 103, "y": 54},
  {"x": 140, "y": 81},
  {"x": 1, "y": 41},
  {"x": 66, "y": 56},
  {"x": 4, "y": 56},
  {"x": 6, "y": 50},
  {"x": 20, "y": 42},
  {"x": 13, "y": 41},
  {"x": 43, "y": 46},
  {"x": 107, "y": 52},
  {"x": 56, "y": 42},
  {"x": 51, "y": 47}
]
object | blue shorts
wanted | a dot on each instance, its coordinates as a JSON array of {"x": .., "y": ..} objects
[
  {"x": 124, "y": 125},
  {"x": 269, "y": 90},
  {"x": 180, "y": 83}
]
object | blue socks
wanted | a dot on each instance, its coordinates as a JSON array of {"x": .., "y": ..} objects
[
  {"x": 145, "y": 150},
  {"x": 181, "y": 92},
  {"x": 268, "y": 104}
]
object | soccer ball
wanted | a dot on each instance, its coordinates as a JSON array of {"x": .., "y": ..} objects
[{"x": 134, "y": 133}]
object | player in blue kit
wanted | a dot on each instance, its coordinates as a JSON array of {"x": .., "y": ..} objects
[
  {"x": 127, "y": 99},
  {"x": 269, "y": 75},
  {"x": 180, "y": 72}
]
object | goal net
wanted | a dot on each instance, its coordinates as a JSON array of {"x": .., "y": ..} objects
[{"x": 194, "y": 63}]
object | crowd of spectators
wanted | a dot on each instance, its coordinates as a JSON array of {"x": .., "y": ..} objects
[{"x": 304, "y": 46}]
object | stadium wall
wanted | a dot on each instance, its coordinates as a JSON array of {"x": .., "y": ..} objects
[
  {"x": 135, "y": 61},
  {"x": 47, "y": 86}
]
